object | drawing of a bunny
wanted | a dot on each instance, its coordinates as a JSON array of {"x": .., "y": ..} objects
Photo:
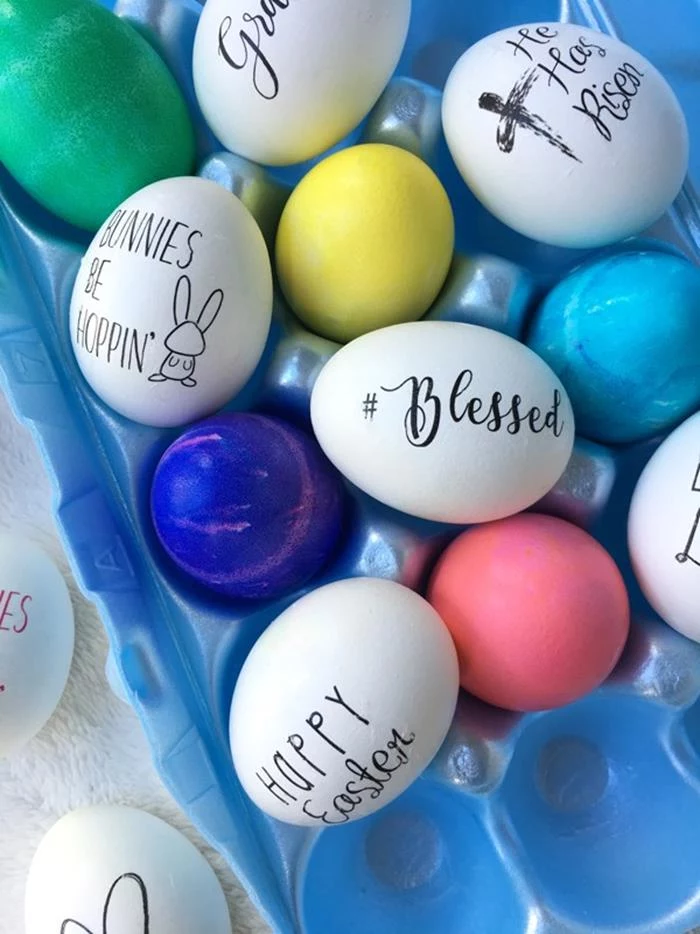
[
  {"x": 186, "y": 341},
  {"x": 129, "y": 912}
]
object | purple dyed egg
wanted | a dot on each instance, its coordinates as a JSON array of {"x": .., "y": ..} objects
[{"x": 247, "y": 505}]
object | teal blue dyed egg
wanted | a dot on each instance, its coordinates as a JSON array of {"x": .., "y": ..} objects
[{"x": 623, "y": 335}]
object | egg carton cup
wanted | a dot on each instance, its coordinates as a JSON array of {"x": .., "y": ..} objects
[{"x": 575, "y": 820}]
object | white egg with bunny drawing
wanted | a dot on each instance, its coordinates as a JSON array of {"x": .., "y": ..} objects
[
  {"x": 109, "y": 869},
  {"x": 172, "y": 304}
]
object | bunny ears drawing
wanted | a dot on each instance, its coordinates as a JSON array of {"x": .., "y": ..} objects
[
  {"x": 186, "y": 341},
  {"x": 126, "y": 908}
]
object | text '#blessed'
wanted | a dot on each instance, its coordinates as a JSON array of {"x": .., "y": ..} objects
[{"x": 427, "y": 411}]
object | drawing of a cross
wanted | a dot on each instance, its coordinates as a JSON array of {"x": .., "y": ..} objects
[{"x": 514, "y": 114}]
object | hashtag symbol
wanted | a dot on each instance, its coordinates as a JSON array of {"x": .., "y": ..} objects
[{"x": 369, "y": 406}]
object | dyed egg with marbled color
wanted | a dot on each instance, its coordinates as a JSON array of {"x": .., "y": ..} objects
[
  {"x": 247, "y": 505},
  {"x": 622, "y": 335}
]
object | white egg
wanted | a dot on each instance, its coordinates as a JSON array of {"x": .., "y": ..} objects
[
  {"x": 565, "y": 134},
  {"x": 172, "y": 304},
  {"x": 664, "y": 529},
  {"x": 36, "y": 640},
  {"x": 280, "y": 81},
  {"x": 116, "y": 870},
  {"x": 443, "y": 420},
  {"x": 343, "y": 702}
]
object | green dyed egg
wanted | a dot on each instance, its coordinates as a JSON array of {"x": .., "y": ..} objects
[{"x": 89, "y": 113}]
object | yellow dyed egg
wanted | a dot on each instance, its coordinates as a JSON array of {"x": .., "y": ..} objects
[{"x": 365, "y": 241}]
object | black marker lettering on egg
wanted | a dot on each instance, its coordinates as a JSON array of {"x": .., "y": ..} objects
[
  {"x": 384, "y": 766},
  {"x": 150, "y": 235},
  {"x": 284, "y": 779},
  {"x": 337, "y": 698},
  {"x": 543, "y": 35},
  {"x": 560, "y": 65},
  {"x": 558, "y": 61},
  {"x": 615, "y": 101},
  {"x": 423, "y": 417},
  {"x": 103, "y": 338},
  {"x": 423, "y": 412},
  {"x": 258, "y": 25},
  {"x": 574, "y": 61},
  {"x": 297, "y": 743},
  {"x": 274, "y": 787}
]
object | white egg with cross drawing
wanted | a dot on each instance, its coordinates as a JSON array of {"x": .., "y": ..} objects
[
  {"x": 565, "y": 134},
  {"x": 172, "y": 304},
  {"x": 343, "y": 702},
  {"x": 664, "y": 529}
]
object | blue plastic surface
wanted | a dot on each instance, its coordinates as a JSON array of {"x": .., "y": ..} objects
[{"x": 582, "y": 819}]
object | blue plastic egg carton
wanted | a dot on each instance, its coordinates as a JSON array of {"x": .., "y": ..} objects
[{"x": 583, "y": 819}]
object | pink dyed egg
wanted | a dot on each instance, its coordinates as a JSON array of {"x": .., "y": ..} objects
[{"x": 537, "y": 608}]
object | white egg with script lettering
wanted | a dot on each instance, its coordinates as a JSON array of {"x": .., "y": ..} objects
[
  {"x": 664, "y": 529},
  {"x": 280, "y": 81},
  {"x": 444, "y": 421},
  {"x": 172, "y": 303},
  {"x": 343, "y": 702},
  {"x": 565, "y": 134}
]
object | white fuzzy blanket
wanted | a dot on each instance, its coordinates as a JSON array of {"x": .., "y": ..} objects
[{"x": 92, "y": 750}]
